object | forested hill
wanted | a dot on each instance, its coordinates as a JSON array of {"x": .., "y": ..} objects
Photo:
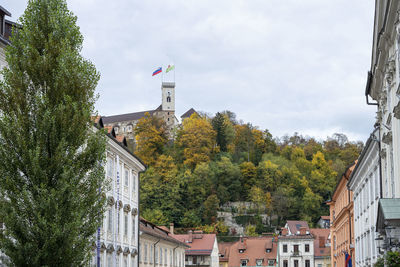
[{"x": 216, "y": 160}]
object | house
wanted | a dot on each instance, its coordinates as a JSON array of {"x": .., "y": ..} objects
[
  {"x": 296, "y": 245},
  {"x": 224, "y": 249},
  {"x": 342, "y": 218},
  {"x": 5, "y": 34},
  {"x": 383, "y": 87},
  {"x": 364, "y": 182},
  {"x": 252, "y": 251},
  {"x": 322, "y": 247},
  {"x": 324, "y": 222},
  {"x": 158, "y": 247},
  {"x": 118, "y": 237},
  {"x": 203, "y": 249}
]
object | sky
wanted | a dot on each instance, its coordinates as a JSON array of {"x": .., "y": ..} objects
[{"x": 283, "y": 65}]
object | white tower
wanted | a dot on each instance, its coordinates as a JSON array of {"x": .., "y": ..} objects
[{"x": 168, "y": 96}]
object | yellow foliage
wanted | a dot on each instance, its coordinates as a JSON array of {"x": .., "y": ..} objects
[{"x": 198, "y": 139}]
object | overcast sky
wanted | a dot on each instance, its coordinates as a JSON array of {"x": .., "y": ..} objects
[{"x": 283, "y": 65}]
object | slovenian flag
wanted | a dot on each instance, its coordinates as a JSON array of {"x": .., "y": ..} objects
[
  {"x": 348, "y": 262},
  {"x": 157, "y": 71}
]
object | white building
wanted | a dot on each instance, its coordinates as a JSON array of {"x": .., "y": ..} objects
[
  {"x": 383, "y": 86},
  {"x": 119, "y": 235},
  {"x": 365, "y": 184},
  {"x": 295, "y": 247},
  {"x": 158, "y": 247}
]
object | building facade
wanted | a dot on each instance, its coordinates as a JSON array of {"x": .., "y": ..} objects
[
  {"x": 342, "y": 218},
  {"x": 296, "y": 248},
  {"x": 158, "y": 247},
  {"x": 118, "y": 236},
  {"x": 383, "y": 86},
  {"x": 364, "y": 182},
  {"x": 322, "y": 247},
  {"x": 203, "y": 249}
]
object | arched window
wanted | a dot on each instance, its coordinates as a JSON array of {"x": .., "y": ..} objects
[{"x": 168, "y": 99}]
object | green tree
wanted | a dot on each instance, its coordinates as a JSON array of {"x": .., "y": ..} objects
[
  {"x": 224, "y": 131},
  {"x": 211, "y": 206},
  {"x": 50, "y": 155}
]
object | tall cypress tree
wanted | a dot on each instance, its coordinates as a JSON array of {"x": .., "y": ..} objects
[{"x": 50, "y": 173}]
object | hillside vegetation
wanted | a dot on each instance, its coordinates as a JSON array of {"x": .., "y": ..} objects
[{"x": 217, "y": 160}]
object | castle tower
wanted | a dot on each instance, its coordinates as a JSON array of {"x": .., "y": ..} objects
[{"x": 168, "y": 103}]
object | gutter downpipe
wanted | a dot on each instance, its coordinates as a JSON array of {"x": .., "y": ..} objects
[
  {"x": 154, "y": 253},
  {"x": 173, "y": 256},
  {"x": 348, "y": 194}
]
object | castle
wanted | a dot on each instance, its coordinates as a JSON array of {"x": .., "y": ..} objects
[{"x": 124, "y": 124}]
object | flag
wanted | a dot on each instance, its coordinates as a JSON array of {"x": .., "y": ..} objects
[
  {"x": 157, "y": 71},
  {"x": 348, "y": 260},
  {"x": 170, "y": 67}
]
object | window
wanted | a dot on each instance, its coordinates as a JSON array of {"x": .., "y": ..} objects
[
  {"x": 334, "y": 242},
  {"x": 268, "y": 250},
  {"x": 110, "y": 220},
  {"x": 118, "y": 224},
  {"x": 168, "y": 99},
  {"x": 194, "y": 260},
  {"x": 125, "y": 261},
  {"x": 284, "y": 248},
  {"x": 133, "y": 183},
  {"x": 271, "y": 262},
  {"x": 241, "y": 250},
  {"x": 296, "y": 263},
  {"x": 129, "y": 128},
  {"x": 126, "y": 225},
  {"x": 110, "y": 167},
  {"x": 156, "y": 255},
  {"x": 243, "y": 263},
  {"x": 285, "y": 263},
  {"x": 109, "y": 260},
  {"x": 296, "y": 248},
  {"x": 165, "y": 256},
  {"x": 126, "y": 177},
  {"x": 319, "y": 265},
  {"x": 259, "y": 262},
  {"x": 161, "y": 258},
  {"x": 307, "y": 263},
  {"x": 116, "y": 130},
  {"x": 151, "y": 254},
  {"x": 306, "y": 248},
  {"x": 145, "y": 252},
  {"x": 133, "y": 227}
]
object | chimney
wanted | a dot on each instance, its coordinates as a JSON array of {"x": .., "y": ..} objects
[
  {"x": 321, "y": 242},
  {"x": 171, "y": 228},
  {"x": 303, "y": 230},
  {"x": 190, "y": 236},
  {"x": 198, "y": 234},
  {"x": 284, "y": 231}
]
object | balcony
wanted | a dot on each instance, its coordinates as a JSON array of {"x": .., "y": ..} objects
[{"x": 295, "y": 253}]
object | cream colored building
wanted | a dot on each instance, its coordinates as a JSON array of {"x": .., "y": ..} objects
[
  {"x": 158, "y": 247},
  {"x": 118, "y": 237}
]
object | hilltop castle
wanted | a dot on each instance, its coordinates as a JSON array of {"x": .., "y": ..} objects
[{"x": 124, "y": 124}]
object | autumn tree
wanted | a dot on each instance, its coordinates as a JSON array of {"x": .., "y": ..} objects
[
  {"x": 51, "y": 157},
  {"x": 151, "y": 137},
  {"x": 197, "y": 139}
]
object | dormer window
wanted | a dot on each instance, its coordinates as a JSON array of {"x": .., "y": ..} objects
[
  {"x": 268, "y": 250},
  {"x": 259, "y": 262},
  {"x": 241, "y": 250},
  {"x": 243, "y": 262}
]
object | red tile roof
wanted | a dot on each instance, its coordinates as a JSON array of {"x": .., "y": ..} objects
[
  {"x": 153, "y": 230},
  {"x": 325, "y": 217},
  {"x": 256, "y": 249},
  {"x": 321, "y": 235},
  {"x": 224, "y": 250},
  {"x": 294, "y": 226},
  {"x": 198, "y": 246}
]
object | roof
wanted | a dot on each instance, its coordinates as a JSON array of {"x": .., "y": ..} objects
[
  {"x": 155, "y": 231},
  {"x": 256, "y": 249},
  {"x": 321, "y": 251},
  {"x": 307, "y": 236},
  {"x": 224, "y": 250},
  {"x": 388, "y": 212},
  {"x": 5, "y": 11},
  {"x": 188, "y": 113},
  {"x": 294, "y": 226},
  {"x": 325, "y": 217},
  {"x": 199, "y": 246},
  {"x": 128, "y": 116}
]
